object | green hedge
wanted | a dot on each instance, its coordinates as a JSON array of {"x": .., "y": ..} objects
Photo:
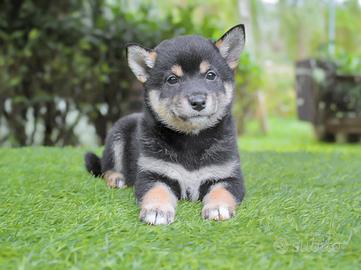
[{"x": 63, "y": 61}]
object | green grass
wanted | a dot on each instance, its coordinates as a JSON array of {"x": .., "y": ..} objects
[{"x": 302, "y": 210}]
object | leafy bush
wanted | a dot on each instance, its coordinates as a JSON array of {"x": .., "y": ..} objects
[
  {"x": 248, "y": 80},
  {"x": 62, "y": 63},
  {"x": 348, "y": 64}
]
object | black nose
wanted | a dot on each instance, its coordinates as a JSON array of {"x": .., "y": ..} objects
[{"x": 198, "y": 102}]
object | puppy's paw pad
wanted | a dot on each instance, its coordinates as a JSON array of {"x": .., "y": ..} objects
[
  {"x": 219, "y": 212},
  {"x": 157, "y": 216}
]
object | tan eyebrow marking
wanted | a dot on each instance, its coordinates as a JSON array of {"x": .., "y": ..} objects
[
  {"x": 177, "y": 70},
  {"x": 204, "y": 66}
]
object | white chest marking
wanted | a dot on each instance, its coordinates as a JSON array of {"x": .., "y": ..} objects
[{"x": 189, "y": 181}]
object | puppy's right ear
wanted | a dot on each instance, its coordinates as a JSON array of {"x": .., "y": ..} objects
[
  {"x": 231, "y": 44},
  {"x": 140, "y": 61}
]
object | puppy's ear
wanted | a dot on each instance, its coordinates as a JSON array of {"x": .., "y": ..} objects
[
  {"x": 140, "y": 61},
  {"x": 231, "y": 44}
]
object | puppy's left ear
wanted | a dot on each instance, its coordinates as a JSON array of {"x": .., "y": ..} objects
[
  {"x": 231, "y": 44},
  {"x": 140, "y": 61}
]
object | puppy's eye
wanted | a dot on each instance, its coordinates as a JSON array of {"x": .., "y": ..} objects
[
  {"x": 172, "y": 79},
  {"x": 211, "y": 75}
]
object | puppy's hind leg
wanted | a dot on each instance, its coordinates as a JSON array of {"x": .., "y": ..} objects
[{"x": 113, "y": 164}]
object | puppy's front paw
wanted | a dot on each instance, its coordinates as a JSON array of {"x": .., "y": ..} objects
[
  {"x": 219, "y": 203},
  {"x": 158, "y": 205},
  {"x": 157, "y": 215},
  {"x": 218, "y": 212}
]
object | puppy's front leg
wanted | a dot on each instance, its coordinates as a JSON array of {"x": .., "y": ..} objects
[
  {"x": 158, "y": 205},
  {"x": 219, "y": 203}
]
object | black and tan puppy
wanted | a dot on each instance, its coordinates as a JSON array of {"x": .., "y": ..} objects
[{"x": 184, "y": 144}]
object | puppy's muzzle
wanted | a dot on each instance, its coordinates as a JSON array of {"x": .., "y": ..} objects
[{"x": 198, "y": 101}]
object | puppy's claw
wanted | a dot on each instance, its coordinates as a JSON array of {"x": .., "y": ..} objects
[
  {"x": 219, "y": 212},
  {"x": 157, "y": 216},
  {"x": 119, "y": 183}
]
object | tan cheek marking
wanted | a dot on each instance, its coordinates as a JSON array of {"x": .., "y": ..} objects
[
  {"x": 162, "y": 110},
  {"x": 177, "y": 70},
  {"x": 158, "y": 195},
  {"x": 204, "y": 66},
  {"x": 219, "y": 195}
]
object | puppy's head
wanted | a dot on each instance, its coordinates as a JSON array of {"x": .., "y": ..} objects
[{"x": 189, "y": 79}]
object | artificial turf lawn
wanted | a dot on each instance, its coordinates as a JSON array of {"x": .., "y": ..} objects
[{"x": 302, "y": 210}]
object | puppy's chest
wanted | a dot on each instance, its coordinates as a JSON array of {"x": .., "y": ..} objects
[
  {"x": 191, "y": 154},
  {"x": 189, "y": 162},
  {"x": 189, "y": 180}
]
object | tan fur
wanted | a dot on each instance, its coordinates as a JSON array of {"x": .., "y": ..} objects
[
  {"x": 161, "y": 107},
  {"x": 158, "y": 205},
  {"x": 153, "y": 56},
  {"x": 233, "y": 65},
  {"x": 111, "y": 178},
  {"x": 165, "y": 115},
  {"x": 177, "y": 70},
  {"x": 159, "y": 195},
  {"x": 219, "y": 203},
  {"x": 220, "y": 195},
  {"x": 219, "y": 43},
  {"x": 204, "y": 66}
]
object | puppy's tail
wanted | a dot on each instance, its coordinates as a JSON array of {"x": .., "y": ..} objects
[{"x": 92, "y": 164}]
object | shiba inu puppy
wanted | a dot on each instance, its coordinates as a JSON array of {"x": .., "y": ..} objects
[{"x": 184, "y": 143}]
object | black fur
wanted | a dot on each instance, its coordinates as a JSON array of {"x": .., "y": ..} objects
[{"x": 92, "y": 164}]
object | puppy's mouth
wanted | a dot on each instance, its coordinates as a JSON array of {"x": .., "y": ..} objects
[
  {"x": 200, "y": 116},
  {"x": 192, "y": 117}
]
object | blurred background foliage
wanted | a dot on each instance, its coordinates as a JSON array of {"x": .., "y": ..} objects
[{"x": 64, "y": 79}]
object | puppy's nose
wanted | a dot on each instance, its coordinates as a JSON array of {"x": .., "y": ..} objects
[{"x": 198, "y": 102}]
